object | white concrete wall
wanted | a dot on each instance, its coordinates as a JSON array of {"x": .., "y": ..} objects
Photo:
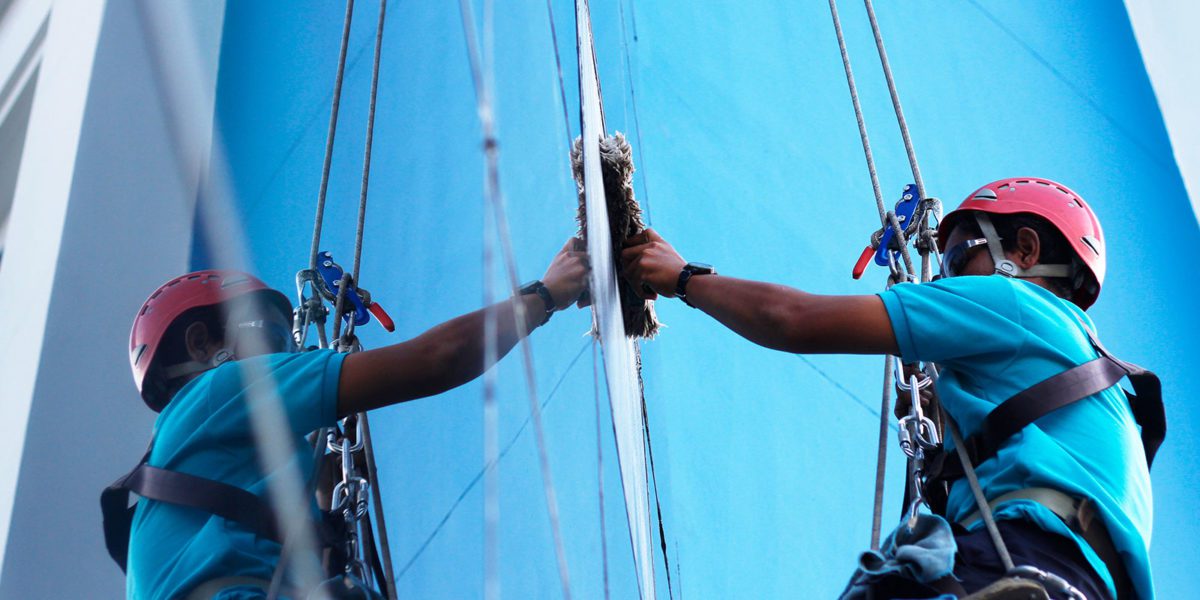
[
  {"x": 102, "y": 214},
  {"x": 1166, "y": 34}
]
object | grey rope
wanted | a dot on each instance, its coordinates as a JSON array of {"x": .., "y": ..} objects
[
  {"x": 333, "y": 117},
  {"x": 389, "y": 575},
  {"x": 366, "y": 173},
  {"x": 495, "y": 201},
  {"x": 891, "y": 83},
  {"x": 637, "y": 125},
  {"x": 600, "y": 466},
  {"x": 858, "y": 114},
  {"x": 918, "y": 229},
  {"x": 362, "y": 196},
  {"x": 881, "y": 453},
  {"x": 985, "y": 511},
  {"x": 562, "y": 88}
]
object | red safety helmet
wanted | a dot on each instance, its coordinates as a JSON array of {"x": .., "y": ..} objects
[
  {"x": 1052, "y": 201},
  {"x": 177, "y": 296}
]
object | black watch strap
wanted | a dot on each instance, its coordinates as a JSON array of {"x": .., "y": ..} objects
[
  {"x": 685, "y": 275},
  {"x": 537, "y": 287}
]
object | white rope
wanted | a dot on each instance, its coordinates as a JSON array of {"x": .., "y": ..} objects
[{"x": 482, "y": 79}]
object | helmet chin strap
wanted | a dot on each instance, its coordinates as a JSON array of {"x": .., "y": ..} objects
[
  {"x": 193, "y": 367},
  {"x": 1008, "y": 268}
]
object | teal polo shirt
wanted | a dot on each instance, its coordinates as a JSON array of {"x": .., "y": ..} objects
[
  {"x": 993, "y": 337},
  {"x": 207, "y": 431}
]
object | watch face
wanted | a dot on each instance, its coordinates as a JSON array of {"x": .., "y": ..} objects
[
  {"x": 529, "y": 287},
  {"x": 698, "y": 268}
]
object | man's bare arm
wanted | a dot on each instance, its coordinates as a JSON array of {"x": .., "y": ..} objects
[
  {"x": 771, "y": 315},
  {"x": 438, "y": 360},
  {"x": 452, "y": 353}
]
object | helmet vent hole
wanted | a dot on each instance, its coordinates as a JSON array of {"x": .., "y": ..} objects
[
  {"x": 1092, "y": 243},
  {"x": 137, "y": 353}
]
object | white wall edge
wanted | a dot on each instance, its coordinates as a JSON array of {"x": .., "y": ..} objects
[
  {"x": 36, "y": 223},
  {"x": 1166, "y": 33}
]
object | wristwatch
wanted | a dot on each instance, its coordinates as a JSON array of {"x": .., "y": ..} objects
[
  {"x": 690, "y": 270},
  {"x": 537, "y": 287}
]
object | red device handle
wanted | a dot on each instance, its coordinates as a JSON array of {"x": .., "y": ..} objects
[
  {"x": 383, "y": 317},
  {"x": 863, "y": 260}
]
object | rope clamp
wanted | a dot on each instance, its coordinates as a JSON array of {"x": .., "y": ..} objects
[
  {"x": 906, "y": 207},
  {"x": 361, "y": 307}
]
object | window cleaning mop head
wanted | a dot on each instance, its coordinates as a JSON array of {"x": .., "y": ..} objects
[{"x": 624, "y": 221}]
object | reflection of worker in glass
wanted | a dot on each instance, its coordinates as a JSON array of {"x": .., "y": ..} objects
[
  {"x": 184, "y": 341},
  {"x": 1071, "y": 492}
]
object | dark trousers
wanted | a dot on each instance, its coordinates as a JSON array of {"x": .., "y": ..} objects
[{"x": 977, "y": 563}]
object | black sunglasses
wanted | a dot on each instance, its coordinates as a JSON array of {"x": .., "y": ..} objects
[{"x": 956, "y": 258}]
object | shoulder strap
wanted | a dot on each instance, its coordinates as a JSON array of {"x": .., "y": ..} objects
[
  {"x": 118, "y": 516},
  {"x": 1068, "y": 387},
  {"x": 1146, "y": 401},
  {"x": 221, "y": 499}
]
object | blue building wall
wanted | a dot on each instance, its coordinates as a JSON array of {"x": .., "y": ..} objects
[{"x": 749, "y": 159}]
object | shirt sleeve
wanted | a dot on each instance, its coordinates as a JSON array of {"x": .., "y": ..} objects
[
  {"x": 956, "y": 320},
  {"x": 304, "y": 385}
]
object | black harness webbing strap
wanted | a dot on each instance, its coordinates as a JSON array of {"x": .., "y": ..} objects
[
  {"x": 118, "y": 517},
  {"x": 1014, "y": 414},
  {"x": 1146, "y": 402},
  {"x": 221, "y": 499},
  {"x": 1066, "y": 388},
  {"x": 227, "y": 501}
]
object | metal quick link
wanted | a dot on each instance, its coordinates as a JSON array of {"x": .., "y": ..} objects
[
  {"x": 917, "y": 434},
  {"x": 350, "y": 496}
]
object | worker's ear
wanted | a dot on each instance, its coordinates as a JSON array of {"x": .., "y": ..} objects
[
  {"x": 197, "y": 339},
  {"x": 1028, "y": 249}
]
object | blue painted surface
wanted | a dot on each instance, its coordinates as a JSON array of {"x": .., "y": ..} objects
[{"x": 765, "y": 460}]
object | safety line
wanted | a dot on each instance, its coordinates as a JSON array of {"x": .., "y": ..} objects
[
  {"x": 858, "y": 114},
  {"x": 562, "y": 88},
  {"x": 637, "y": 127},
  {"x": 478, "y": 476},
  {"x": 482, "y": 77},
  {"x": 600, "y": 464},
  {"x": 897, "y": 272},
  {"x": 891, "y": 84},
  {"x": 329, "y": 138},
  {"x": 366, "y": 177},
  {"x": 882, "y": 451},
  {"x": 366, "y": 172},
  {"x": 662, "y": 534},
  {"x": 368, "y": 445}
]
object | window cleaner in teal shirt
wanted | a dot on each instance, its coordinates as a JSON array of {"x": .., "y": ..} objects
[
  {"x": 1067, "y": 480},
  {"x": 210, "y": 350}
]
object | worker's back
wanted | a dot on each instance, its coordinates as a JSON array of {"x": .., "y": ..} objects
[
  {"x": 207, "y": 431},
  {"x": 995, "y": 336}
]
